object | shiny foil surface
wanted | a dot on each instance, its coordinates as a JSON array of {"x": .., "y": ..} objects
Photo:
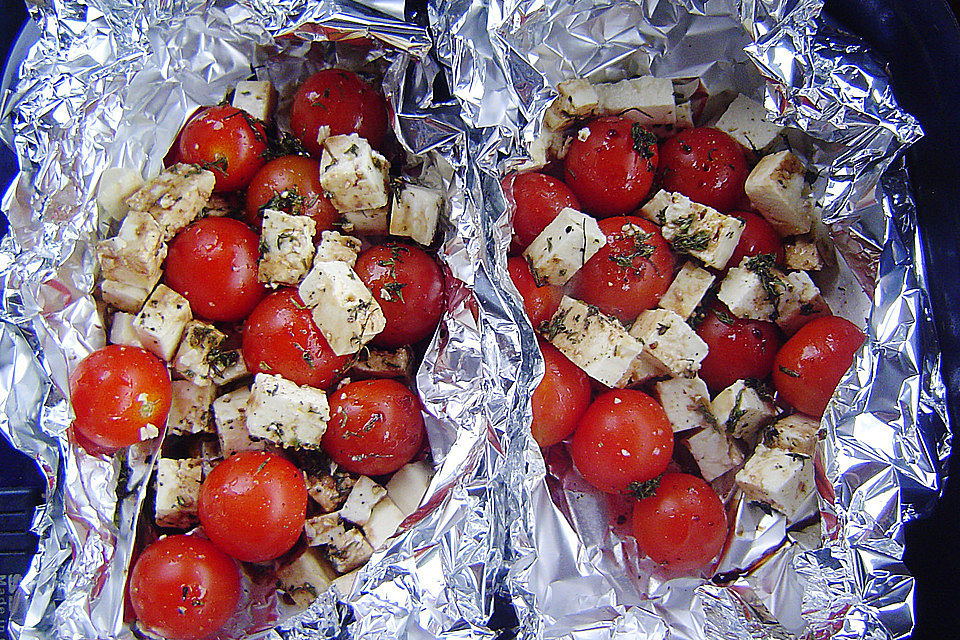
[{"x": 842, "y": 576}]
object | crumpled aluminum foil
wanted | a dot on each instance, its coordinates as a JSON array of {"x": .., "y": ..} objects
[{"x": 887, "y": 441}]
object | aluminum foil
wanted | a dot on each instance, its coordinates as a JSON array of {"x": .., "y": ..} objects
[{"x": 572, "y": 576}]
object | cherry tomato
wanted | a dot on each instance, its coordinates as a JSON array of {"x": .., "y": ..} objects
[
  {"x": 343, "y": 102},
  {"x": 281, "y": 338},
  {"x": 253, "y": 505},
  {"x": 408, "y": 285},
  {"x": 299, "y": 178},
  {"x": 184, "y": 588},
  {"x": 630, "y": 273},
  {"x": 537, "y": 199},
  {"x": 540, "y": 302},
  {"x": 226, "y": 141},
  {"x": 683, "y": 524},
  {"x": 758, "y": 237},
  {"x": 706, "y": 165},
  {"x": 375, "y": 427},
  {"x": 120, "y": 395},
  {"x": 611, "y": 171},
  {"x": 213, "y": 264},
  {"x": 623, "y": 438},
  {"x": 560, "y": 398},
  {"x": 809, "y": 366},
  {"x": 738, "y": 348}
]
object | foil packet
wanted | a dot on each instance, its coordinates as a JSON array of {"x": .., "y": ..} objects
[{"x": 883, "y": 459}]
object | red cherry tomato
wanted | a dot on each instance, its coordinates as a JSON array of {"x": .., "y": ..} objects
[
  {"x": 253, "y": 505},
  {"x": 560, "y": 398},
  {"x": 809, "y": 366},
  {"x": 375, "y": 427},
  {"x": 184, "y": 588},
  {"x": 343, "y": 102},
  {"x": 537, "y": 199},
  {"x": 683, "y": 524},
  {"x": 623, "y": 438},
  {"x": 228, "y": 142},
  {"x": 758, "y": 237},
  {"x": 281, "y": 338},
  {"x": 706, "y": 165},
  {"x": 611, "y": 171},
  {"x": 630, "y": 273},
  {"x": 117, "y": 394},
  {"x": 213, "y": 264},
  {"x": 299, "y": 177},
  {"x": 540, "y": 302},
  {"x": 408, "y": 285},
  {"x": 738, "y": 348}
]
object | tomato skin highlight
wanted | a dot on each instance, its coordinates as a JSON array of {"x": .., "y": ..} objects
[
  {"x": 623, "y": 437},
  {"x": 738, "y": 349},
  {"x": 115, "y": 392},
  {"x": 253, "y": 505},
  {"x": 706, "y": 165},
  {"x": 213, "y": 264},
  {"x": 540, "y": 302},
  {"x": 375, "y": 427},
  {"x": 560, "y": 399},
  {"x": 537, "y": 199},
  {"x": 298, "y": 175},
  {"x": 605, "y": 172},
  {"x": 226, "y": 141},
  {"x": 683, "y": 525},
  {"x": 184, "y": 588},
  {"x": 809, "y": 366}
]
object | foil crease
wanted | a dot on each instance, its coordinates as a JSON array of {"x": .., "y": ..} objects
[{"x": 570, "y": 575}]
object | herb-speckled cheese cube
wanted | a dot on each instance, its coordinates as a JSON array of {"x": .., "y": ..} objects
[
  {"x": 415, "y": 212},
  {"x": 352, "y": 174},
  {"x": 383, "y": 363},
  {"x": 777, "y": 189},
  {"x": 122, "y": 330},
  {"x": 577, "y": 98},
  {"x": 408, "y": 485},
  {"x": 715, "y": 452},
  {"x": 744, "y": 122},
  {"x": 686, "y": 401},
  {"x": 330, "y": 489},
  {"x": 323, "y": 529},
  {"x": 594, "y": 341},
  {"x": 564, "y": 246},
  {"x": 256, "y": 97},
  {"x": 694, "y": 228},
  {"x": 668, "y": 338},
  {"x": 197, "y": 356},
  {"x": 801, "y": 253},
  {"x": 178, "y": 491},
  {"x": 367, "y": 222},
  {"x": 123, "y": 296},
  {"x": 162, "y": 321},
  {"x": 649, "y": 100},
  {"x": 306, "y": 578},
  {"x": 286, "y": 248},
  {"x": 134, "y": 256},
  {"x": 363, "y": 497},
  {"x": 230, "y": 418},
  {"x": 226, "y": 366},
  {"x": 190, "y": 408},
  {"x": 175, "y": 197},
  {"x": 285, "y": 413},
  {"x": 383, "y": 522},
  {"x": 802, "y": 304},
  {"x": 742, "y": 410},
  {"x": 687, "y": 290},
  {"x": 797, "y": 433},
  {"x": 344, "y": 310},
  {"x": 349, "y": 551},
  {"x": 336, "y": 247},
  {"x": 781, "y": 479}
]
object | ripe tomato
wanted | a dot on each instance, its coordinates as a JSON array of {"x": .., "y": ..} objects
[
  {"x": 611, "y": 171},
  {"x": 809, "y": 366},
  {"x": 560, "y": 398},
  {"x": 537, "y": 199},
  {"x": 738, "y": 348},
  {"x": 228, "y": 142},
  {"x": 117, "y": 394},
  {"x": 184, "y": 588},
  {"x": 630, "y": 273},
  {"x": 408, "y": 285},
  {"x": 281, "y": 338},
  {"x": 706, "y": 165},
  {"x": 623, "y": 438},
  {"x": 299, "y": 177},
  {"x": 375, "y": 427},
  {"x": 683, "y": 524},
  {"x": 758, "y": 237},
  {"x": 540, "y": 302},
  {"x": 343, "y": 102},
  {"x": 253, "y": 505}
]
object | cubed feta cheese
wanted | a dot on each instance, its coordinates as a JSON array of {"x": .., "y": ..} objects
[
  {"x": 323, "y": 529},
  {"x": 256, "y": 97},
  {"x": 335, "y": 246},
  {"x": 365, "y": 494},
  {"x": 219, "y": 207},
  {"x": 649, "y": 100},
  {"x": 175, "y": 197},
  {"x": 306, "y": 578},
  {"x": 114, "y": 187},
  {"x": 744, "y": 121},
  {"x": 162, "y": 321},
  {"x": 797, "y": 433},
  {"x": 781, "y": 479},
  {"x": 286, "y": 248},
  {"x": 383, "y": 522},
  {"x": 352, "y": 174},
  {"x": 178, "y": 491},
  {"x": 190, "y": 408},
  {"x": 122, "y": 330},
  {"x": 801, "y": 254},
  {"x": 684, "y": 115},
  {"x": 349, "y": 551},
  {"x": 564, "y": 246},
  {"x": 134, "y": 256},
  {"x": 344, "y": 584},
  {"x": 715, "y": 452},
  {"x": 415, "y": 212},
  {"x": 801, "y": 303},
  {"x": 198, "y": 352},
  {"x": 686, "y": 401},
  {"x": 668, "y": 338},
  {"x": 777, "y": 189},
  {"x": 742, "y": 410},
  {"x": 230, "y": 418},
  {"x": 344, "y": 310},
  {"x": 285, "y": 413},
  {"x": 330, "y": 489},
  {"x": 226, "y": 366},
  {"x": 367, "y": 222},
  {"x": 687, "y": 290},
  {"x": 125, "y": 297},
  {"x": 382, "y": 363},
  {"x": 693, "y": 228},
  {"x": 578, "y": 98},
  {"x": 408, "y": 485}
]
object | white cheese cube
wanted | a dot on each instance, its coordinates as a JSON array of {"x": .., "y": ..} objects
[
  {"x": 210, "y": 456},
  {"x": 178, "y": 491},
  {"x": 344, "y": 310},
  {"x": 801, "y": 254},
  {"x": 344, "y": 584},
  {"x": 383, "y": 522},
  {"x": 801, "y": 303},
  {"x": 383, "y": 363},
  {"x": 415, "y": 213},
  {"x": 282, "y": 412},
  {"x": 564, "y": 246},
  {"x": 742, "y": 410},
  {"x": 256, "y": 97},
  {"x": 134, "y": 256},
  {"x": 578, "y": 98},
  {"x": 715, "y": 452},
  {"x": 286, "y": 248},
  {"x": 668, "y": 338},
  {"x": 174, "y": 198},
  {"x": 335, "y": 246},
  {"x": 367, "y": 222},
  {"x": 555, "y": 119},
  {"x": 219, "y": 207},
  {"x": 323, "y": 529},
  {"x": 122, "y": 330},
  {"x": 408, "y": 485},
  {"x": 330, "y": 490},
  {"x": 594, "y": 341},
  {"x": 226, "y": 366},
  {"x": 777, "y": 189},
  {"x": 646, "y": 367},
  {"x": 353, "y": 174},
  {"x": 797, "y": 433},
  {"x": 648, "y": 100},
  {"x": 190, "y": 408},
  {"x": 199, "y": 352},
  {"x": 349, "y": 551},
  {"x": 363, "y": 497},
  {"x": 744, "y": 121},
  {"x": 781, "y": 479},
  {"x": 162, "y": 321},
  {"x": 686, "y": 401},
  {"x": 306, "y": 578},
  {"x": 684, "y": 115},
  {"x": 693, "y": 228},
  {"x": 113, "y": 188},
  {"x": 687, "y": 290},
  {"x": 230, "y": 418},
  {"x": 123, "y": 296}
]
